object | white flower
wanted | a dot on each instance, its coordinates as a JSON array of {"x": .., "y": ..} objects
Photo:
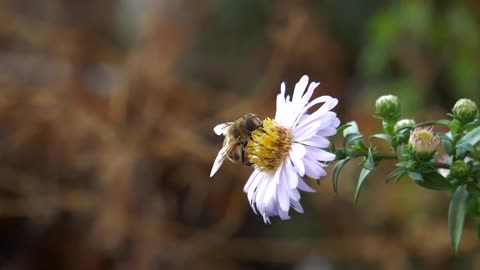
[{"x": 288, "y": 148}]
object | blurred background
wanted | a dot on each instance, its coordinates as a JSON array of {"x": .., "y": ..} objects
[{"x": 106, "y": 142}]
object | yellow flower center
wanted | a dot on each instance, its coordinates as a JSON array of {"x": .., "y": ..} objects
[{"x": 269, "y": 146}]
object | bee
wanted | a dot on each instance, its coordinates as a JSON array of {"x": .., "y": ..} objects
[{"x": 237, "y": 135}]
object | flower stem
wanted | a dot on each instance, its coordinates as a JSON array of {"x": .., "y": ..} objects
[
  {"x": 385, "y": 156},
  {"x": 442, "y": 165}
]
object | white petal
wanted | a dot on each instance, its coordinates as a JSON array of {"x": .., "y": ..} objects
[
  {"x": 281, "y": 104},
  {"x": 313, "y": 168},
  {"x": 296, "y": 154},
  {"x": 307, "y": 131},
  {"x": 329, "y": 103},
  {"x": 316, "y": 141},
  {"x": 319, "y": 154},
  {"x": 260, "y": 194},
  {"x": 252, "y": 180},
  {"x": 309, "y": 92},
  {"x": 297, "y": 206},
  {"x": 300, "y": 89},
  {"x": 270, "y": 199},
  {"x": 303, "y": 186},
  {"x": 291, "y": 173},
  {"x": 323, "y": 120},
  {"x": 327, "y": 132},
  {"x": 282, "y": 192},
  {"x": 293, "y": 194},
  {"x": 266, "y": 219}
]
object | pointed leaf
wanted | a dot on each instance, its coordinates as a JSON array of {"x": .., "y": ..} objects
[
  {"x": 431, "y": 180},
  {"x": 444, "y": 122},
  {"x": 352, "y": 127},
  {"x": 396, "y": 174},
  {"x": 456, "y": 215},
  {"x": 351, "y": 139},
  {"x": 336, "y": 172},
  {"x": 472, "y": 137},
  {"x": 382, "y": 136},
  {"x": 340, "y": 130},
  {"x": 361, "y": 180},
  {"x": 447, "y": 144},
  {"x": 369, "y": 163}
]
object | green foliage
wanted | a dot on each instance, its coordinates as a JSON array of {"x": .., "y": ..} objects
[{"x": 461, "y": 165}]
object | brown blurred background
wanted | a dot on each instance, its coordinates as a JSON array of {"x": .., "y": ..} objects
[{"x": 106, "y": 142}]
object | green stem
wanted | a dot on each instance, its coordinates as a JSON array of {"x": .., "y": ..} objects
[
  {"x": 442, "y": 165},
  {"x": 385, "y": 156}
]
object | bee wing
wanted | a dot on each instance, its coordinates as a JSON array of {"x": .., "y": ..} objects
[
  {"x": 221, "y": 129},
  {"x": 222, "y": 155}
]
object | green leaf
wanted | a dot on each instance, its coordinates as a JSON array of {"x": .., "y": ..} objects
[
  {"x": 456, "y": 215},
  {"x": 463, "y": 150},
  {"x": 444, "y": 122},
  {"x": 472, "y": 137},
  {"x": 447, "y": 144},
  {"x": 431, "y": 180},
  {"x": 336, "y": 172},
  {"x": 340, "y": 130},
  {"x": 466, "y": 146},
  {"x": 361, "y": 180},
  {"x": 352, "y": 127},
  {"x": 415, "y": 176},
  {"x": 351, "y": 139},
  {"x": 382, "y": 136},
  {"x": 369, "y": 163}
]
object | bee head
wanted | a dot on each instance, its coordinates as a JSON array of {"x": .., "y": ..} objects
[{"x": 252, "y": 122}]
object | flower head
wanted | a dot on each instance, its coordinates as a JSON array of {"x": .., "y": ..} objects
[
  {"x": 423, "y": 143},
  {"x": 288, "y": 148},
  {"x": 465, "y": 110}
]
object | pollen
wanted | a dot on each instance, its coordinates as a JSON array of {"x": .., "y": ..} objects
[{"x": 269, "y": 146}]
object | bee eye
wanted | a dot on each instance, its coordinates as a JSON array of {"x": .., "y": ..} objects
[{"x": 252, "y": 123}]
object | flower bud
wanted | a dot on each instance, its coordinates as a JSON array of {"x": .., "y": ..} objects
[
  {"x": 460, "y": 169},
  {"x": 423, "y": 143},
  {"x": 465, "y": 110},
  {"x": 404, "y": 123},
  {"x": 388, "y": 108}
]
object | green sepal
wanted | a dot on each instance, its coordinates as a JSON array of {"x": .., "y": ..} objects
[
  {"x": 402, "y": 153},
  {"x": 361, "y": 181},
  {"x": 397, "y": 174},
  {"x": 456, "y": 215}
]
